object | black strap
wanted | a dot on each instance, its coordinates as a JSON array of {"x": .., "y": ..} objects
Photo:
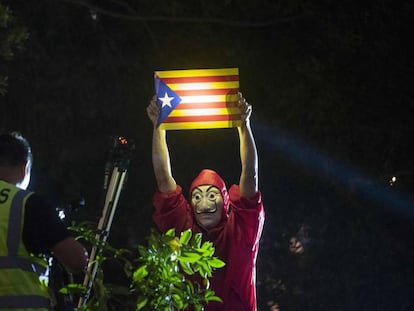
[
  {"x": 20, "y": 302},
  {"x": 15, "y": 222},
  {"x": 16, "y": 263}
]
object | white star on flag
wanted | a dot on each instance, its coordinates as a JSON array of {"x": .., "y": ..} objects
[{"x": 166, "y": 101}]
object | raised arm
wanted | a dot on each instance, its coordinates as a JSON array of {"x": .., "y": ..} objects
[
  {"x": 248, "y": 153},
  {"x": 160, "y": 154}
]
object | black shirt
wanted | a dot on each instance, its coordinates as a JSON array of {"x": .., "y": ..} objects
[{"x": 42, "y": 228}]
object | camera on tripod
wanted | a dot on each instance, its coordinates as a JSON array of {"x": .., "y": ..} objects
[{"x": 121, "y": 150}]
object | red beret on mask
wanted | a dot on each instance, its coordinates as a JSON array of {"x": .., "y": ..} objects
[{"x": 210, "y": 177}]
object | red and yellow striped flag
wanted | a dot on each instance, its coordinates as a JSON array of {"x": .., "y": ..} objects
[{"x": 198, "y": 98}]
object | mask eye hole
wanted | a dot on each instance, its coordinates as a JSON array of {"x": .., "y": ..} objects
[
  {"x": 196, "y": 197},
  {"x": 212, "y": 196}
]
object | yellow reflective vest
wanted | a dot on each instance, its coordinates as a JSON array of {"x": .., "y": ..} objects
[{"x": 20, "y": 288}]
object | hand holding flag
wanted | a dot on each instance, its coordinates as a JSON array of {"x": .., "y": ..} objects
[
  {"x": 153, "y": 111},
  {"x": 245, "y": 108}
]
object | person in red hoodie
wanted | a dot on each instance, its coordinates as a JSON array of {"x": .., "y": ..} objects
[{"x": 232, "y": 220}]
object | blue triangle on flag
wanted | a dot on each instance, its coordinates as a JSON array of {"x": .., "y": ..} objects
[{"x": 167, "y": 99}]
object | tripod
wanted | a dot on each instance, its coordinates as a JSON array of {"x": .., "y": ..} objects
[{"x": 119, "y": 158}]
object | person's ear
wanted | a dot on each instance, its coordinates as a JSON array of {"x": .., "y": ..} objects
[
  {"x": 23, "y": 170},
  {"x": 24, "y": 175}
]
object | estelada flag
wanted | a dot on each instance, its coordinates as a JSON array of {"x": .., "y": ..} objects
[{"x": 198, "y": 98}]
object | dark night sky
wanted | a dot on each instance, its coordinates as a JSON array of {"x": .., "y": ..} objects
[{"x": 331, "y": 89}]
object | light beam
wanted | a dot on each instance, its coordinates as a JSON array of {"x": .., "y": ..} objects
[{"x": 302, "y": 154}]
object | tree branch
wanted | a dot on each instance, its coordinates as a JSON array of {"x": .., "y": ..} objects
[{"x": 186, "y": 19}]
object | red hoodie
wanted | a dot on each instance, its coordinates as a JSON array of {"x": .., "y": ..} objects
[{"x": 235, "y": 238}]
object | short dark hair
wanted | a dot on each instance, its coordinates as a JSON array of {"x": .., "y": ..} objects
[{"x": 14, "y": 150}]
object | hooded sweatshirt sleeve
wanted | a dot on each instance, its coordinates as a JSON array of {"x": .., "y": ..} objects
[
  {"x": 172, "y": 211},
  {"x": 248, "y": 214}
]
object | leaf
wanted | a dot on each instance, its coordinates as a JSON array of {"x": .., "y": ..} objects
[
  {"x": 216, "y": 263},
  {"x": 213, "y": 298},
  {"x": 185, "y": 236},
  {"x": 189, "y": 288},
  {"x": 140, "y": 274},
  {"x": 142, "y": 251},
  {"x": 186, "y": 267},
  {"x": 189, "y": 257},
  {"x": 170, "y": 232},
  {"x": 197, "y": 240},
  {"x": 205, "y": 270},
  {"x": 198, "y": 307},
  {"x": 72, "y": 288},
  {"x": 178, "y": 300},
  {"x": 207, "y": 249},
  {"x": 141, "y": 302}
]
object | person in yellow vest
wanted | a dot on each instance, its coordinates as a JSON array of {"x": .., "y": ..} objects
[{"x": 28, "y": 225}]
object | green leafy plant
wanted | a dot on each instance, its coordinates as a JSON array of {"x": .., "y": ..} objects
[
  {"x": 12, "y": 37},
  {"x": 162, "y": 280},
  {"x": 170, "y": 273}
]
